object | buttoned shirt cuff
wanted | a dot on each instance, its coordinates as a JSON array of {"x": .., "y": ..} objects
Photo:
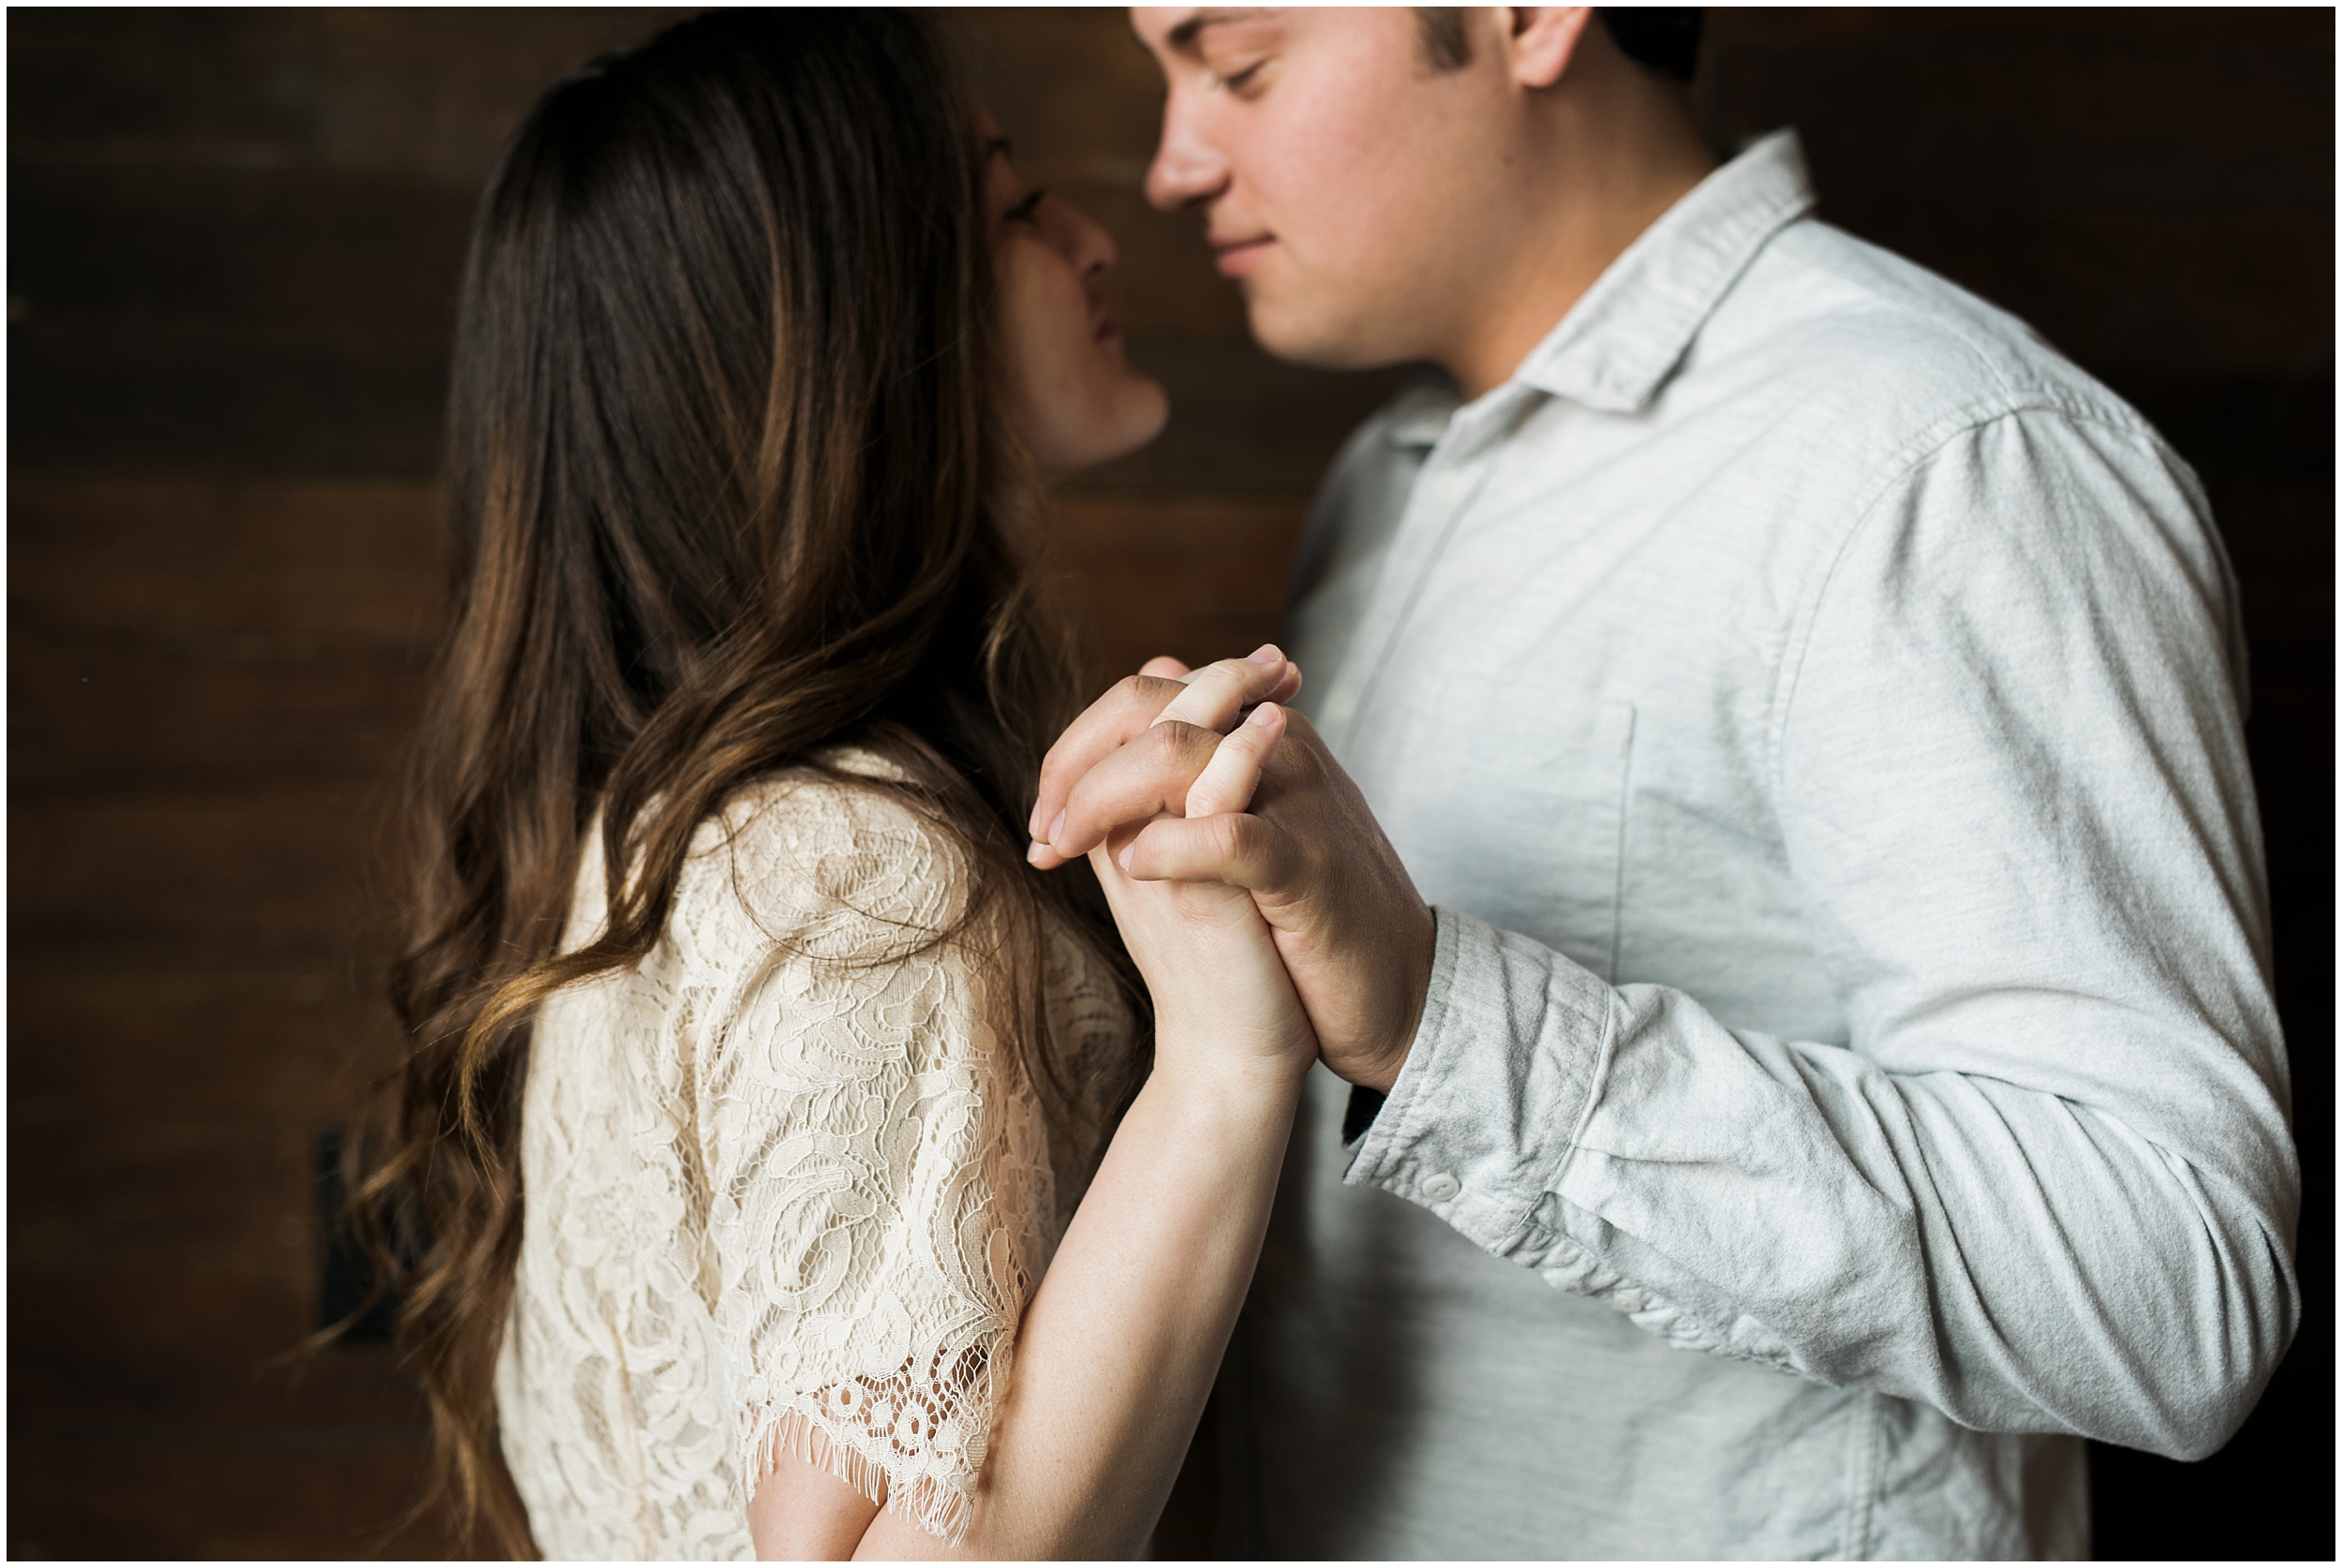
[{"x": 1497, "y": 1082}]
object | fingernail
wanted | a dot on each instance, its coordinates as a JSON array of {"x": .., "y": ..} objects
[
  {"x": 1265, "y": 715},
  {"x": 1032, "y": 823},
  {"x": 1265, "y": 653},
  {"x": 1128, "y": 851},
  {"x": 1057, "y": 829},
  {"x": 1035, "y": 851}
]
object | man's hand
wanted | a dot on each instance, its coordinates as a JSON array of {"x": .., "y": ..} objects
[{"x": 1354, "y": 933}]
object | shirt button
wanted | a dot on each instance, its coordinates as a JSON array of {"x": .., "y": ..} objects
[{"x": 1439, "y": 1186}]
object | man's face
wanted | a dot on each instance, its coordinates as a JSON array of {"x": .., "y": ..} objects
[{"x": 1345, "y": 183}]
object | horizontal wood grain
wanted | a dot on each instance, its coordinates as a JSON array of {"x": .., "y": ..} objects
[
  {"x": 293, "y": 1043},
  {"x": 1199, "y": 579},
  {"x": 236, "y": 242},
  {"x": 283, "y": 566},
  {"x": 89, "y": 717},
  {"x": 130, "y": 1354},
  {"x": 224, "y": 1197},
  {"x": 279, "y": 875},
  {"x": 192, "y": 1496}
]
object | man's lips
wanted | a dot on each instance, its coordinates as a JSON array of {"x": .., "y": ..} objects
[{"x": 1233, "y": 258}]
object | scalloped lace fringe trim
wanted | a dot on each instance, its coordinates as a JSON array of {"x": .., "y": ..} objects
[{"x": 770, "y": 1433}]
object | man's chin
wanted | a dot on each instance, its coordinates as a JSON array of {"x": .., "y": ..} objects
[{"x": 1316, "y": 341}]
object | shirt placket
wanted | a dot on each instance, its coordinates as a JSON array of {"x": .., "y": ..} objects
[{"x": 1452, "y": 478}]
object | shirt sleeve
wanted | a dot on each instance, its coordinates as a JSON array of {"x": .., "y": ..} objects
[
  {"x": 878, "y": 1169},
  {"x": 2046, "y": 1183}
]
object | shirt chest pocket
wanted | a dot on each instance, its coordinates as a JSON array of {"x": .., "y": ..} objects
[{"x": 1517, "y": 813}]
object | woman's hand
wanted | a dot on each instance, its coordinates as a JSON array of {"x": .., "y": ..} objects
[
  {"x": 1356, "y": 938},
  {"x": 1182, "y": 714},
  {"x": 1120, "y": 1342},
  {"x": 1223, "y": 999}
]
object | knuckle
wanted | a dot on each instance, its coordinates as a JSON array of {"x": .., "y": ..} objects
[
  {"x": 1122, "y": 701},
  {"x": 1140, "y": 697},
  {"x": 1163, "y": 743},
  {"x": 1178, "y": 740}
]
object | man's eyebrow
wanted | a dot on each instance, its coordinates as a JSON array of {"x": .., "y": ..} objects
[{"x": 1183, "y": 37}]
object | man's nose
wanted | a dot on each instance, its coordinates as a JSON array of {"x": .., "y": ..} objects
[{"x": 1186, "y": 168}]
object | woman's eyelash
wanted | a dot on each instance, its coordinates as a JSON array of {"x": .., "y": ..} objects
[
  {"x": 1023, "y": 212},
  {"x": 1240, "y": 78}
]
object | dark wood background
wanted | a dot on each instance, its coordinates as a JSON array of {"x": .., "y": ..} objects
[{"x": 235, "y": 238}]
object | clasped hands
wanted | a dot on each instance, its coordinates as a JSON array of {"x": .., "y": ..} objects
[{"x": 1354, "y": 935}]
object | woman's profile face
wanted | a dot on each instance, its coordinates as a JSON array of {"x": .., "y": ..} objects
[{"x": 1077, "y": 400}]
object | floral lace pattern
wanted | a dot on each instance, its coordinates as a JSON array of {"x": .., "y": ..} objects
[{"x": 786, "y": 1194}]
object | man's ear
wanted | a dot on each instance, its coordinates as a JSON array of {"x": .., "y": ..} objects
[{"x": 1540, "y": 41}]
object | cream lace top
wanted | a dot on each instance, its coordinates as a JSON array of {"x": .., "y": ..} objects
[{"x": 784, "y": 1190}]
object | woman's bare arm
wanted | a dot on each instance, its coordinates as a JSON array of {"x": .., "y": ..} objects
[
  {"x": 1120, "y": 1344},
  {"x": 801, "y": 1513}
]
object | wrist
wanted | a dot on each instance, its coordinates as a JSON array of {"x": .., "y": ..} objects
[
  {"x": 1377, "y": 1068},
  {"x": 1228, "y": 1086},
  {"x": 1383, "y": 1072}
]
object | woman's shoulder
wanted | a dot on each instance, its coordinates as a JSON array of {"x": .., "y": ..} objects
[{"x": 830, "y": 857}]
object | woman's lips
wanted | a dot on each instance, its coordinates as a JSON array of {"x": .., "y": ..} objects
[{"x": 1236, "y": 257}]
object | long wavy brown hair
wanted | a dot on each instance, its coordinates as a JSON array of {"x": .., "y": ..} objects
[{"x": 730, "y": 482}]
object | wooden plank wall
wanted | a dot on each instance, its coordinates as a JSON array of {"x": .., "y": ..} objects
[{"x": 229, "y": 295}]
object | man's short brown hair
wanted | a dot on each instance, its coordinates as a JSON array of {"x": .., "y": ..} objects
[
  {"x": 1662, "y": 38},
  {"x": 1440, "y": 29}
]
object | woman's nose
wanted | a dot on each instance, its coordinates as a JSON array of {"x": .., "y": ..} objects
[{"x": 1086, "y": 242}]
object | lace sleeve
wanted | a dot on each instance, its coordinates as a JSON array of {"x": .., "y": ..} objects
[{"x": 878, "y": 1165}]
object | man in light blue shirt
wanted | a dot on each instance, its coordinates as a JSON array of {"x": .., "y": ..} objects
[{"x": 1781, "y": 839}]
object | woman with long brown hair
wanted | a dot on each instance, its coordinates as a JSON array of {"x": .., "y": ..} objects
[{"x": 782, "y": 1160}]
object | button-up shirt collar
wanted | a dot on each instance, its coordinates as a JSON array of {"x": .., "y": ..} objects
[{"x": 1619, "y": 343}]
